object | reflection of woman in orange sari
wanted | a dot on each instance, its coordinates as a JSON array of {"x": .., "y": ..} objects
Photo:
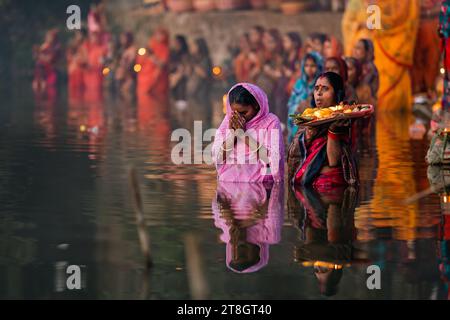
[
  {"x": 154, "y": 76},
  {"x": 153, "y": 123},
  {"x": 76, "y": 61},
  {"x": 394, "y": 45}
]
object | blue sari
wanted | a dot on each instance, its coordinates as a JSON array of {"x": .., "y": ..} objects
[{"x": 302, "y": 91}]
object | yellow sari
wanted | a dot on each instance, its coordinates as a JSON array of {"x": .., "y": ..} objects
[{"x": 394, "y": 46}]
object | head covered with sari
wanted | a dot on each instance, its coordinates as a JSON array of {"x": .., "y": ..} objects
[
  {"x": 265, "y": 128},
  {"x": 250, "y": 216},
  {"x": 303, "y": 88}
]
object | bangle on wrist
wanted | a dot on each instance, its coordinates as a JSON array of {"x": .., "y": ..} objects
[
  {"x": 336, "y": 135},
  {"x": 227, "y": 150}
]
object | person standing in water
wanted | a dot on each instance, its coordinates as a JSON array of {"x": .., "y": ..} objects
[{"x": 248, "y": 145}]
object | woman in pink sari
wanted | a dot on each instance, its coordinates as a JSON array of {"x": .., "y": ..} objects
[
  {"x": 250, "y": 216},
  {"x": 249, "y": 146}
]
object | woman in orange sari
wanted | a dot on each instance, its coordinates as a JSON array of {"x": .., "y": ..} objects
[
  {"x": 76, "y": 63},
  {"x": 153, "y": 77},
  {"x": 427, "y": 52},
  {"x": 394, "y": 44},
  {"x": 96, "y": 53}
]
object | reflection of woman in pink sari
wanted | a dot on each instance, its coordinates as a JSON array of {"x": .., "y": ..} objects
[{"x": 250, "y": 216}]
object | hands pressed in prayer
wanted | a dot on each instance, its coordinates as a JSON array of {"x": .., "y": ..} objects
[{"x": 237, "y": 121}]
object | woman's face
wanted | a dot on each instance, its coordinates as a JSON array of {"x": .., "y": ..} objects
[
  {"x": 332, "y": 66},
  {"x": 317, "y": 45},
  {"x": 328, "y": 49},
  {"x": 255, "y": 36},
  {"x": 176, "y": 44},
  {"x": 269, "y": 42},
  {"x": 248, "y": 112},
  {"x": 324, "y": 93},
  {"x": 243, "y": 44},
  {"x": 159, "y": 36},
  {"x": 193, "y": 48},
  {"x": 287, "y": 43},
  {"x": 78, "y": 36},
  {"x": 123, "y": 40},
  {"x": 359, "y": 51},
  {"x": 351, "y": 70},
  {"x": 308, "y": 45},
  {"x": 310, "y": 68}
]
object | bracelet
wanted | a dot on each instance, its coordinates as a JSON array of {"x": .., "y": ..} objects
[
  {"x": 260, "y": 145},
  {"x": 226, "y": 150},
  {"x": 335, "y": 135}
]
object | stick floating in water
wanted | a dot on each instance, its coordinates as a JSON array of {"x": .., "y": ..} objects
[
  {"x": 196, "y": 275},
  {"x": 140, "y": 222}
]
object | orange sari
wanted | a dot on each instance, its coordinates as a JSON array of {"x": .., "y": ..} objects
[
  {"x": 394, "y": 46},
  {"x": 154, "y": 75}
]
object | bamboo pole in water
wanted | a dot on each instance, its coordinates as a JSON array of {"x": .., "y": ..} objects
[
  {"x": 144, "y": 238},
  {"x": 196, "y": 275}
]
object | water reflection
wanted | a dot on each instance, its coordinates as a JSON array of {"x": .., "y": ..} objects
[
  {"x": 63, "y": 170},
  {"x": 250, "y": 216},
  {"x": 439, "y": 178},
  {"x": 326, "y": 231}
]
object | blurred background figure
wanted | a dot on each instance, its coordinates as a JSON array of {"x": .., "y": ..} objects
[
  {"x": 46, "y": 57},
  {"x": 76, "y": 57},
  {"x": 362, "y": 90},
  {"x": 153, "y": 76},
  {"x": 337, "y": 65},
  {"x": 199, "y": 69},
  {"x": 179, "y": 60},
  {"x": 246, "y": 63},
  {"x": 391, "y": 49},
  {"x": 427, "y": 50},
  {"x": 365, "y": 54},
  {"x": 125, "y": 74},
  {"x": 312, "y": 67},
  {"x": 96, "y": 51},
  {"x": 332, "y": 47}
]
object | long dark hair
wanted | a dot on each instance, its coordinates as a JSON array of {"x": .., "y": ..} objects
[
  {"x": 358, "y": 69},
  {"x": 296, "y": 39},
  {"x": 203, "y": 51},
  {"x": 343, "y": 69},
  {"x": 184, "y": 48},
  {"x": 338, "y": 86},
  {"x": 242, "y": 96}
]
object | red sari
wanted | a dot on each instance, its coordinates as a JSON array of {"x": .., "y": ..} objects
[
  {"x": 154, "y": 75},
  {"x": 93, "y": 77},
  {"x": 75, "y": 70},
  {"x": 307, "y": 159}
]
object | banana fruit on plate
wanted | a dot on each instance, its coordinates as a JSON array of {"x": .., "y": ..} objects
[{"x": 311, "y": 114}]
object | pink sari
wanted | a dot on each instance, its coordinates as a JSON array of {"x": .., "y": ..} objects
[
  {"x": 244, "y": 200},
  {"x": 241, "y": 165}
]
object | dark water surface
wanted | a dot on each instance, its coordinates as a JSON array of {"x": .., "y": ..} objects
[{"x": 65, "y": 200}]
